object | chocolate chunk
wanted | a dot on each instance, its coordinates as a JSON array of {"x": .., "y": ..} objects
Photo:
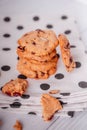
[
  {"x": 67, "y": 46},
  {"x": 25, "y": 34},
  {"x": 34, "y": 43},
  {"x": 39, "y": 30},
  {"x": 42, "y": 73},
  {"x": 21, "y": 48},
  {"x": 71, "y": 60},
  {"x": 33, "y": 53}
]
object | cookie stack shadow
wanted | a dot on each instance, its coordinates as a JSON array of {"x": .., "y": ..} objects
[{"x": 37, "y": 54}]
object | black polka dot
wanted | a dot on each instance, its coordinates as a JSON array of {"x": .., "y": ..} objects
[
  {"x": 71, "y": 113},
  {"x": 32, "y": 113},
  {"x": 6, "y": 49},
  {"x": 21, "y": 76},
  {"x": 25, "y": 96},
  {"x": 86, "y": 51},
  {"x": 59, "y": 76},
  {"x": 49, "y": 26},
  {"x": 72, "y": 46},
  {"x": 65, "y": 94},
  {"x": 15, "y": 105},
  {"x": 36, "y": 18},
  {"x": 67, "y": 32},
  {"x": 4, "y": 107},
  {"x": 44, "y": 86},
  {"x": 80, "y": 38},
  {"x": 64, "y": 17},
  {"x": 5, "y": 68},
  {"x": 7, "y": 19},
  {"x": 78, "y": 64},
  {"x": 75, "y": 21},
  {"x": 6, "y": 35},
  {"x": 20, "y": 27},
  {"x": 82, "y": 84}
]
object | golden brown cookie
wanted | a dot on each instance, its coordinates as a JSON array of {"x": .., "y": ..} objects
[
  {"x": 35, "y": 74},
  {"x": 39, "y": 42},
  {"x": 18, "y": 125},
  {"x": 66, "y": 54},
  {"x": 25, "y": 54},
  {"x": 39, "y": 66},
  {"x": 50, "y": 105},
  {"x": 15, "y": 87}
]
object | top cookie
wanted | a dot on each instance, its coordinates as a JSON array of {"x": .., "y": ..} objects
[{"x": 39, "y": 42}]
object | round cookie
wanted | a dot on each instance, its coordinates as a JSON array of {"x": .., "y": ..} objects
[
  {"x": 39, "y": 42},
  {"x": 24, "y": 54},
  {"x": 38, "y": 67},
  {"x": 35, "y": 74}
]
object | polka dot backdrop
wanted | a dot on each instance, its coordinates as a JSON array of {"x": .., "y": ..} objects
[{"x": 70, "y": 84}]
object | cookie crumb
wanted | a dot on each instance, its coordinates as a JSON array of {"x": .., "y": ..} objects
[
  {"x": 54, "y": 91},
  {"x": 18, "y": 125},
  {"x": 50, "y": 106}
]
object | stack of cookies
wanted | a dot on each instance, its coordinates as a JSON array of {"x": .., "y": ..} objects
[{"x": 37, "y": 54}]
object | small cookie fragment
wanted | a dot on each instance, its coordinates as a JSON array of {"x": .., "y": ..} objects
[
  {"x": 66, "y": 54},
  {"x": 15, "y": 87},
  {"x": 50, "y": 106},
  {"x": 18, "y": 125},
  {"x": 54, "y": 91}
]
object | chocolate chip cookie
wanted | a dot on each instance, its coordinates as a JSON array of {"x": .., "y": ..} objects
[
  {"x": 39, "y": 42},
  {"x": 25, "y": 54},
  {"x": 66, "y": 54}
]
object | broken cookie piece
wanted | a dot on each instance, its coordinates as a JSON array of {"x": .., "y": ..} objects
[
  {"x": 54, "y": 91},
  {"x": 50, "y": 105},
  {"x": 18, "y": 125},
  {"x": 66, "y": 54},
  {"x": 15, "y": 87}
]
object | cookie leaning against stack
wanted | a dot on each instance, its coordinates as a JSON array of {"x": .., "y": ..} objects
[{"x": 37, "y": 54}]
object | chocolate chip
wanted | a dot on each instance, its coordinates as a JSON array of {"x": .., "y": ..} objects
[
  {"x": 25, "y": 34},
  {"x": 71, "y": 59},
  {"x": 34, "y": 43},
  {"x": 36, "y": 75},
  {"x": 21, "y": 48},
  {"x": 67, "y": 46},
  {"x": 42, "y": 73},
  {"x": 39, "y": 30},
  {"x": 33, "y": 53}
]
